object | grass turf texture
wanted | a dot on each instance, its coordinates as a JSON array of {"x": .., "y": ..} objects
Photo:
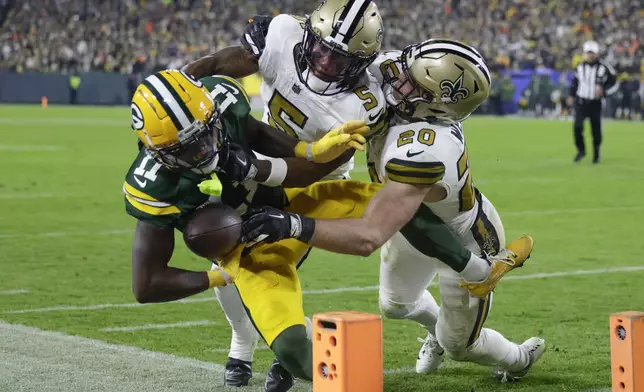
[{"x": 65, "y": 238}]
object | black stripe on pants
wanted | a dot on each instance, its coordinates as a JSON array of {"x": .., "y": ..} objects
[{"x": 591, "y": 109}]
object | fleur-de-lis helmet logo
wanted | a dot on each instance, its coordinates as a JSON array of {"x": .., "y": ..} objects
[{"x": 453, "y": 91}]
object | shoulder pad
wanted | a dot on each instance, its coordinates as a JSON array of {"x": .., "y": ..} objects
[
  {"x": 285, "y": 24},
  {"x": 385, "y": 64}
]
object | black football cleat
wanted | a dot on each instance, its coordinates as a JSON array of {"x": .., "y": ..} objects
[
  {"x": 278, "y": 379},
  {"x": 237, "y": 373},
  {"x": 579, "y": 157}
]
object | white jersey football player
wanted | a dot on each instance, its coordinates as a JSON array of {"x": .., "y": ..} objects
[
  {"x": 443, "y": 82},
  {"x": 423, "y": 162},
  {"x": 314, "y": 80},
  {"x": 313, "y": 71}
]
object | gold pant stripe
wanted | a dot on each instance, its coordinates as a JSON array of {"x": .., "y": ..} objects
[
  {"x": 481, "y": 316},
  {"x": 483, "y": 230}
]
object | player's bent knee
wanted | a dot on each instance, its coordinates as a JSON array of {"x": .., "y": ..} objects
[
  {"x": 459, "y": 354},
  {"x": 455, "y": 349},
  {"x": 293, "y": 350},
  {"x": 393, "y": 310}
]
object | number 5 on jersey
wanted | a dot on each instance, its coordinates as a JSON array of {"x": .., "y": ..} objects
[{"x": 279, "y": 106}]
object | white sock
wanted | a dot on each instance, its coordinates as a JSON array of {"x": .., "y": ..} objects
[
  {"x": 476, "y": 270},
  {"x": 244, "y": 337},
  {"x": 309, "y": 328},
  {"x": 426, "y": 313},
  {"x": 493, "y": 349}
]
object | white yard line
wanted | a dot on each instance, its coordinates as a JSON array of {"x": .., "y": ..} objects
[
  {"x": 14, "y": 292},
  {"x": 37, "y": 360},
  {"x": 185, "y": 324},
  {"x": 47, "y": 361},
  {"x": 64, "y": 308},
  {"x": 260, "y": 347}
]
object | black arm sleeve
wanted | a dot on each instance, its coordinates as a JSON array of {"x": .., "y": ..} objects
[
  {"x": 254, "y": 36},
  {"x": 573, "y": 86}
]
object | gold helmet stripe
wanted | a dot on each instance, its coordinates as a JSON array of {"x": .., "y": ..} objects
[
  {"x": 349, "y": 19},
  {"x": 442, "y": 46},
  {"x": 167, "y": 101}
]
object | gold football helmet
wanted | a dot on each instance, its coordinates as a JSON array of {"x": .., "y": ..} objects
[
  {"x": 438, "y": 80},
  {"x": 341, "y": 39},
  {"x": 177, "y": 121}
]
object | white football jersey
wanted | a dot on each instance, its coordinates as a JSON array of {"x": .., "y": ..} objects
[
  {"x": 290, "y": 106},
  {"x": 426, "y": 154}
]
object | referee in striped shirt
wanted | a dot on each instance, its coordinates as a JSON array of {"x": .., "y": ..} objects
[{"x": 593, "y": 80}]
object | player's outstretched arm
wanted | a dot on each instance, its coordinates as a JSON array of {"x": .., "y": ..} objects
[
  {"x": 152, "y": 279},
  {"x": 300, "y": 173},
  {"x": 234, "y": 61},
  {"x": 273, "y": 142},
  {"x": 392, "y": 207},
  {"x": 286, "y": 172},
  {"x": 291, "y": 162}
]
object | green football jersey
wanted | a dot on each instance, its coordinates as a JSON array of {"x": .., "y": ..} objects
[{"x": 165, "y": 198}]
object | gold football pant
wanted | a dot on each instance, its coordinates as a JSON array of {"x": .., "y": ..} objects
[{"x": 267, "y": 279}]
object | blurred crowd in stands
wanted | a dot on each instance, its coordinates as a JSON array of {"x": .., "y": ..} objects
[{"x": 140, "y": 36}]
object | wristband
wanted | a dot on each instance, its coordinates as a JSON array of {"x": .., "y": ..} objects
[
  {"x": 307, "y": 229},
  {"x": 309, "y": 152},
  {"x": 304, "y": 150},
  {"x": 279, "y": 168}
]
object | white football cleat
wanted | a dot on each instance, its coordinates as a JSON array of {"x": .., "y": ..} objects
[
  {"x": 535, "y": 348},
  {"x": 430, "y": 356}
]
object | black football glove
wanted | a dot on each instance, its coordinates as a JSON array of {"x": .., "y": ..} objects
[
  {"x": 268, "y": 225},
  {"x": 254, "y": 36},
  {"x": 237, "y": 164}
]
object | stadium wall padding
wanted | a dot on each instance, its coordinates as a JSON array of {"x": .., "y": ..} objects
[
  {"x": 102, "y": 88},
  {"x": 97, "y": 88}
]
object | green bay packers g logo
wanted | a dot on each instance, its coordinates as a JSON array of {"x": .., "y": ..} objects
[
  {"x": 453, "y": 91},
  {"x": 137, "y": 117}
]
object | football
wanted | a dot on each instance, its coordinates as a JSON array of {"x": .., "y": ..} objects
[{"x": 212, "y": 231}]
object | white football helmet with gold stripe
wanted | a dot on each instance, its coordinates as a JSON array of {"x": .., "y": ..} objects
[
  {"x": 439, "y": 80},
  {"x": 178, "y": 122},
  {"x": 341, "y": 39}
]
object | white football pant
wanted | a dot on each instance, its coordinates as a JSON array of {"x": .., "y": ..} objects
[{"x": 405, "y": 274}]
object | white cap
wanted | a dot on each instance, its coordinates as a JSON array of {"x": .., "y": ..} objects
[{"x": 591, "y": 46}]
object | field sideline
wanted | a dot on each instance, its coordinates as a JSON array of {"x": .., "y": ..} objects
[{"x": 68, "y": 320}]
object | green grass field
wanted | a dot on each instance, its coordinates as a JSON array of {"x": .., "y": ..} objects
[{"x": 65, "y": 262}]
